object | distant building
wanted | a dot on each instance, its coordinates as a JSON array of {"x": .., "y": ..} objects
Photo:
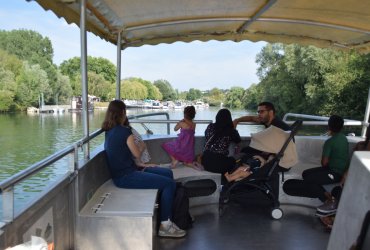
[{"x": 76, "y": 104}]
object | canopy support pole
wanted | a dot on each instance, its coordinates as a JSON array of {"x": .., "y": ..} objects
[
  {"x": 255, "y": 16},
  {"x": 366, "y": 117},
  {"x": 118, "y": 79},
  {"x": 85, "y": 100}
]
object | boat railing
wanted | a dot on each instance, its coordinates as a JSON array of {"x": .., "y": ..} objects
[
  {"x": 7, "y": 185},
  {"x": 134, "y": 119},
  {"x": 314, "y": 120}
]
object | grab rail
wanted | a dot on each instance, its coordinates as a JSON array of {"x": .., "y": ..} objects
[
  {"x": 7, "y": 185},
  {"x": 323, "y": 120},
  {"x": 148, "y": 131}
]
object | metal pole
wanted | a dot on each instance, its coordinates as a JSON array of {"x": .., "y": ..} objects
[
  {"x": 8, "y": 204},
  {"x": 118, "y": 80},
  {"x": 366, "y": 117},
  {"x": 85, "y": 113}
]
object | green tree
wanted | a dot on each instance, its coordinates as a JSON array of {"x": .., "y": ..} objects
[
  {"x": 252, "y": 96},
  {"x": 353, "y": 96},
  {"x": 234, "y": 97},
  {"x": 27, "y": 45},
  {"x": 31, "y": 46},
  {"x": 7, "y": 89},
  {"x": 62, "y": 89},
  {"x": 153, "y": 91},
  {"x": 215, "y": 97},
  {"x": 311, "y": 80},
  {"x": 182, "y": 95},
  {"x": 193, "y": 94},
  {"x": 10, "y": 68},
  {"x": 76, "y": 85},
  {"x": 132, "y": 89},
  {"x": 71, "y": 68},
  {"x": 103, "y": 67},
  {"x": 10, "y": 62},
  {"x": 166, "y": 89},
  {"x": 31, "y": 83},
  {"x": 98, "y": 65},
  {"x": 96, "y": 85}
]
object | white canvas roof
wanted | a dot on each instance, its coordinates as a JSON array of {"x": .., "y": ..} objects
[{"x": 340, "y": 24}]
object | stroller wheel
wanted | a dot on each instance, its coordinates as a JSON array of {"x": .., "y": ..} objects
[{"x": 277, "y": 213}]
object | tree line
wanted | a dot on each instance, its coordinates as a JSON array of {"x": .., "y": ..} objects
[
  {"x": 301, "y": 79},
  {"x": 310, "y": 80}
]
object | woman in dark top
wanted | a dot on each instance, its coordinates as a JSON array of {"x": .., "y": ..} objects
[
  {"x": 218, "y": 137},
  {"x": 121, "y": 150}
]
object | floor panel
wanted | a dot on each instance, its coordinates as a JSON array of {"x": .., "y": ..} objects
[{"x": 251, "y": 227}]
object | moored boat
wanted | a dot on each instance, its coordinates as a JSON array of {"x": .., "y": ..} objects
[
  {"x": 157, "y": 105},
  {"x": 200, "y": 105}
]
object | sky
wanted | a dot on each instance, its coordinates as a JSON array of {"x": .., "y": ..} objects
[{"x": 200, "y": 65}]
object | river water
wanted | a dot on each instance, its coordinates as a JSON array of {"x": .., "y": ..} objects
[{"x": 26, "y": 139}]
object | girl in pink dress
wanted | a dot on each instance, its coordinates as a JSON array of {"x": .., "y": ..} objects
[{"x": 182, "y": 149}]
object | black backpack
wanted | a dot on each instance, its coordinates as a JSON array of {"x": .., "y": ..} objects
[{"x": 180, "y": 210}]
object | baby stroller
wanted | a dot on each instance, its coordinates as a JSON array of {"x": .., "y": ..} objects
[{"x": 265, "y": 180}]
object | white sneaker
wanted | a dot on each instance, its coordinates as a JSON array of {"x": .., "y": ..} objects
[{"x": 169, "y": 229}]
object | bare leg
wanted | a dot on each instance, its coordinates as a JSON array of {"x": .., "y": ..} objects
[
  {"x": 174, "y": 162},
  {"x": 239, "y": 173}
]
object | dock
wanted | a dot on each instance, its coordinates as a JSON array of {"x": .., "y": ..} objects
[{"x": 47, "y": 109}]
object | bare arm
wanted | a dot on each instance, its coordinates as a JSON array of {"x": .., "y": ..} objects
[
  {"x": 135, "y": 150},
  {"x": 245, "y": 119},
  {"x": 324, "y": 161},
  {"x": 179, "y": 125}
]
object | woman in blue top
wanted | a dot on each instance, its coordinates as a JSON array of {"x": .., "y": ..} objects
[{"x": 121, "y": 150}]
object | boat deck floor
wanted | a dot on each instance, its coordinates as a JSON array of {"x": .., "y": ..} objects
[{"x": 251, "y": 227}]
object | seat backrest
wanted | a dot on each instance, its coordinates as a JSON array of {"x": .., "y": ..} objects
[{"x": 294, "y": 129}]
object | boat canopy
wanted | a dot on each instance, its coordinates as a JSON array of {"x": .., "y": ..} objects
[{"x": 339, "y": 24}]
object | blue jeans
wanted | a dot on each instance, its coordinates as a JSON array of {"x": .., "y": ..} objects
[{"x": 153, "y": 178}]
